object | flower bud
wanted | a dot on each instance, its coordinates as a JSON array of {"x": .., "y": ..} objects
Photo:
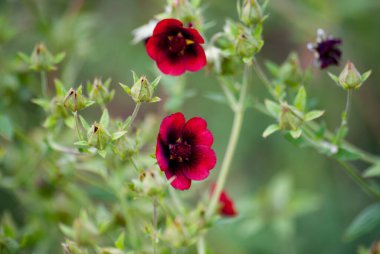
[
  {"x": 75, "y": 101},
  {"x": 250, "y": 12},
  {"x": 350, "y": 78},
  {"x": 142, "y": 90},
  {"x": 98, "y": 136},
  {"x": 99, "y": 91},
  {"x": 41, "y": 58},
  {"x": 289, "y": 118}
]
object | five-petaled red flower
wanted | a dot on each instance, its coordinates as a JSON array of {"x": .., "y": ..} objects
[
  {"x": 226, "y": 205},
  {"x": 183, "y": 150},
  {"x": 175, "y": 48}
]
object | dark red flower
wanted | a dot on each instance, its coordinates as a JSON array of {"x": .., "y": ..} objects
[
  {"x": 326, "y": 50},
  {"x": 183, "y": 150},
  {"x": 226, "y": 205},
  {"x": 175, "y": 48}
]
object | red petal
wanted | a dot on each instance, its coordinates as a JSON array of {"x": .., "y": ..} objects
[
  {"x": 157, "y": 47},
  {"x": 167, "y": 25},
  {"x": 193, "y": 34},
  {"x": 195, "y": 57},
  {"x": 228, "y": 209},
  {"x": 171, "y": 127},
  {"x": 202, "y": 161},
  {"x": 161, "y": 156},
  {"x": 180, "y": 181},
  {"x": 174, "y": 66},
  {"x": 196, "y": 132}
]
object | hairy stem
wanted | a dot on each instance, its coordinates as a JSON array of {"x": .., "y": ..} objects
[
  {"x": 133, "y": 116},
  {"x": 77, "y": 125},
  {"x": 235, "y": 132},
  {"x": 347, "y": 108},
  {"x": 201, "y": 245}
]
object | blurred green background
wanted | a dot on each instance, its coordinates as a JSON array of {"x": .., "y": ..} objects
[{"x": 321, "y": 197}]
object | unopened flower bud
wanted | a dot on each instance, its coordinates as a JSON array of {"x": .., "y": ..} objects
[
  {"x": 98, "y": 136},
  {"x": 142, "y": 90},
  {"x": 350, "y": 78},
  {"x": 41, "y": 59},
  {"x": 99, "y": 91},
  {"x": 75, "y": 101},
  {"x": 289, "y": 119},
  {"x": 250, "y": 12}
]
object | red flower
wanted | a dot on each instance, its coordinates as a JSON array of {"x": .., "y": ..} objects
[
  {"x": 175, "y": 48},
  {"x": 226, "y": 205},
  {"x": 183, "y": 150}
]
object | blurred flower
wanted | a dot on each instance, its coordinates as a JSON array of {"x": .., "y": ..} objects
[
  {"x": 226, "y": 204},
  {"x": 175, "y": 48},
  {"x": 326, "y": 49},
  {"x": 183, "y": 150}
]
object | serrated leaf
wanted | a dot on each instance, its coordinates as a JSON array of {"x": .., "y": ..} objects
[
  {"x": 273, "y": 108},
  {"x": 118, "y": 135},
  {"x": 364, "y": 222},
  {"x": 310, "y": 116},
  {"x": 270, "y": 130},
  {"x": 125, "y": 88},
  {"x": 373, "y": 171},
  {"x": 300, "y": 100},
  {"x": 105, "y": 118}
]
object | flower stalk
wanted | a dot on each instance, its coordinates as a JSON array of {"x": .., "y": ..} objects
[
  {"x": 44, "y": 85},
  {"x": 231, "y": 147}
]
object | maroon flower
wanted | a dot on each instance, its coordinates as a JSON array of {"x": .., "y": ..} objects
[
  {"x": 226, "y": 205},
  {"x": 175, "y": 48},
  {"x": 183, "y": 150},
  {"x": 326, "y": 50}
]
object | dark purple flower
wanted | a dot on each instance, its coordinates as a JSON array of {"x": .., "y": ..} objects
[
  {"x": 326, "y": 50},
  {"x": 183, "y": 150},
  {"x": 226, "y": 204}
]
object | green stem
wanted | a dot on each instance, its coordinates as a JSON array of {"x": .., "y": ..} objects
[
  {"x": 346, "y": 112},
  {"x": 261, "y": 74},
  {"x": 77, "y": 125},
  {"x": 201, "y": 245},
  {"x": 44, "y": 85},
  {"x": 235, "y": 132},
  {"x": 133, "y": 116},
  {"x": 359, "y": 179},
  {"x": 155, "y": 225}
]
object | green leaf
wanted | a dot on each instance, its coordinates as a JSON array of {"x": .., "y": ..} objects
[
  {"x": 155, "y": 99},
  {"x": 50, "y": 121},
  {"x": 84, "y": 123},
  {"x": 125, "y": 88},
  {"x": 365, "y": 76},
  {"x": 43, "y": 103},
  {"x": 59, "y": 88},
  {"x": 364, "y": 222},
  {"x": 300, "y": 100},
  {"x": 373, "y": 171},
  {"x": 59, "y": 57},
  {"x": 273, "y": 108},
  {"x": 105, "y": 119},
  {"x": 6, "y": 127},
  {"x": 66, "y": 230},
  {"x": 24, "y": 57},
  {"x": 270, "y": 130},
  {"x": 273, "y": 68},
  {"x": 120, "y": 241},
  {"x": 310, "y": 116},
  {"x": 102, "y": 153},
  {"x": 155, "y": 82},
  {"x": 216, "y": 97},
  {"x": 118, "y": 135},
  {"x": 81, "y": 143},
  {"x": 296, "y": 133},
  {"x": 335, "y": 78}
]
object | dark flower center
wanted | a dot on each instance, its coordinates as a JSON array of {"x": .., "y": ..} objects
[
  {"x": 177, "y": 43},
  {"x": 180, "y": 151}
]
